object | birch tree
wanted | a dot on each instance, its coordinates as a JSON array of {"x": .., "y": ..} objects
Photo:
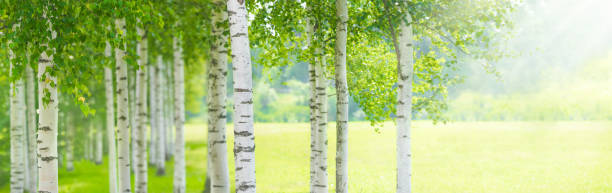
[
  {"x": 123, "y": 130},
  {"x": 31, "y": 130},
  {"x": 321, "y": 116},
  {"x": 168, "y": 108},
  {"x": 244, "y": 138},
  {"x": 152, "y": 69},
  {"x": 110, "y": 128},
  {"x": 319, "y": 181},
  {"x": 342, "y": 101},
  {"x": 110, "y": 123},
  {"x": 132, "y": 116},
  {"x": 47, "y": 123},
  {"x": 89, "y": 143},
  {"x": 69, "y": 144},
  {"x": 179, "y": 119},
  {"x": 404, "y": 106},
  {"x": 312, "y": 77},
  {"x": 99, "y": 145},
  {"x": 140, "y": 173},
  {"x": 160, "y": 135},
  {"x": 216, "y": 100},
  {"x": 422, "y": 77},
  {"x": 47, "y": 130},
  {"x": 17, "y": 130}
]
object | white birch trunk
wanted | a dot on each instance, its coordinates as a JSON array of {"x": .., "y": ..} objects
[
  {"x": 342, "y": 101},
  {"x": 217, "y": 71},
  {"x": 132, "y": 101},
  {"x": 17, "y": 133},
  {"x": 160, "y": 135},
  {"x": 153, "y": 90},
  {"x": 110, "y": 125},
  {"x": 313, "y": 107},
  {"x": 140, "y": 179},
  {"x": 123, "y": 130},
  {"x": 320, "y": 180},
  {"x": 91, "y": 142},
  {"x": 69, "y": 144},
  {"x": 47, "y": 125},
  {"x": 47, "y": 130},
  {"x": 404, "y": 105},
  {"x": 179, "y": 119},
  {"x": 31, "y": 129},
  {"x": 99, "y": 145},
  {"x": 86, "y": 146},
  {"x": 168, "y": 111},
  {"x": 244, "y": 138}
]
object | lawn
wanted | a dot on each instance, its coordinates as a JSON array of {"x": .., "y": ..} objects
[{"x": 491, "y": 157}]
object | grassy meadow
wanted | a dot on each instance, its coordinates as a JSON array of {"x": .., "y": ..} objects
[{"x": 474, "y": 157}]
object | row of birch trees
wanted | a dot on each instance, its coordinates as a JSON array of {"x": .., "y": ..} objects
[
  {"x": 393, "y": 57},
  {"x": 127, "y": 55}
]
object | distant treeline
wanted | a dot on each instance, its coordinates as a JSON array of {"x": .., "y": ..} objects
[
  {"x": 281, "y": 95},
  {"x": 544, "y": 106}
]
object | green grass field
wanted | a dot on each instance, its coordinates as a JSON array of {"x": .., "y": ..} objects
[{"x": 491, "y": 157}]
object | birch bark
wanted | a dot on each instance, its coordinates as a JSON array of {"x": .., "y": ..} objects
[
  {"x": 160, "y": 135},
  {"x": 168, "y": 111},
  {"x": 217, "y": 71},
  {"x": 88, "y": 144},
  {"x": 69, "y": 143},
  {"x": 140, "y": 178},
  {"x": 313, "y": 107},
  {"x": 17, "y": 132},
  {"x": 47, "y": 124},
  {"x": 132, "y": 116},
  {"x": 179, "y": 119},
  {"x": 404, "y": 105},
  {"x": 153, "y": 90},
  {"x": 31, "y": 130},
  {"x": 110, "y": 125},
  {"x": 244, "y": 138},
  {"x": 320, "y": 181},
  {"x": 99, "y": 145},
  {"x": 123, "y": 130},
  {"x": 342, "y": 105}
]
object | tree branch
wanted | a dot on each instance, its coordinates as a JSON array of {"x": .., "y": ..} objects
[{"x": 392, "y": 29}]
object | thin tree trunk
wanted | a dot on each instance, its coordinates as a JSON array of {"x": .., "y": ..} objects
[
  {"x": 110, "y": 125},
  {"x": 404, "y": 105},
  {"x": 123, "y": 130},
  {"x": 26, "y": 134},
  {"x": 91, "y": 131},
  {"x": 141, "y": 118},
  {"x": 99, "y": 145},
  {"x": 132, "y": 117},
  {"x": 17, "y": 133},
  {"x": 321, "y": 116},
  {"x": 179, "y": 119},
  {"x": 217, "y": 71},
  {"x": 153, "y": 90},
  {"x": 244, "y": 138},
  {"x": 47, "y": 125},
  {"x": 85, "y": 145},
  {"x": 31, "y": 129},
  {"x": 69, "y": 144},
  {"x": 168, "y": 111},
  {"x": 313, "y": 107},
  {"x": 342, "y": 106},
  {"x": 161, "y": 161}
]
